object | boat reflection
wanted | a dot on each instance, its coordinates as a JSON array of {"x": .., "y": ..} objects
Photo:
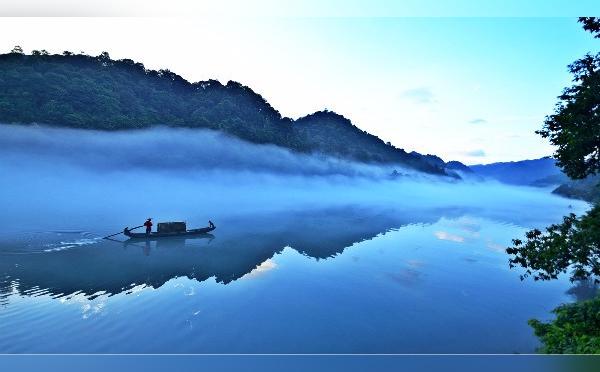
[{"x": 162, "y": 243}]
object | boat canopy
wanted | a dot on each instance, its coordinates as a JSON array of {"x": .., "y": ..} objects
[{"x": 171, "y": 227}]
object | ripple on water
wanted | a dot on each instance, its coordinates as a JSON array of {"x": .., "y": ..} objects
[
  {"x": 61, "y": 246},
  {"x": 46, "y": 241}
]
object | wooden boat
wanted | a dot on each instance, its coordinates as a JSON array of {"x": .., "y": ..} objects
[{"x": 154, "y": 235}]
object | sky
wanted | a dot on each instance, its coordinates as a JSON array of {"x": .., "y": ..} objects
[{"x": 467, "y": 88}]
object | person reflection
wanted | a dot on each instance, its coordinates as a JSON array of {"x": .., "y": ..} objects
[{"x": 147, "y": 248}]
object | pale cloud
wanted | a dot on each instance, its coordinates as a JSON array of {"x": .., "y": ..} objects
[
  {"x": 475, "y": 153},
  {"x": 265, "y": 266},
  {"x": 443, "y": 235},
  {"x": 478, "y": 121},
  {"x": 468, "y": 226},
  {"x": 419, "y": 95},
  {"x": 495, "y": 247}
]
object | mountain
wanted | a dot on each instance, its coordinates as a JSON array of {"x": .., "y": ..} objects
[
  {"x": 452, "y": 168},
  {"x": 525, "y": 172},
  {"x": 541, "y": 172},
  {"x": 457, "y": 165},
  {"x": 81, "y": 91},
  {"x": 586, "y": 189}
]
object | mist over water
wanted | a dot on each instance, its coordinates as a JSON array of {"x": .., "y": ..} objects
[
  {"x": 310, "y": 254},
  {"x": 74, "y": 179},
  {"x": 182, "y": 151}
]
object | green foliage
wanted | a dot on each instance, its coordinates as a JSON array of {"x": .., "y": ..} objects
[
  {"x": 575, "y": 130},
  {"x": 576, "y": 329},
  {"x": 81, "y": 91},
  {"x": 17, "y": 50},
  {"x": 573, "y": 244},
  {"x": 592, "y": 25}
]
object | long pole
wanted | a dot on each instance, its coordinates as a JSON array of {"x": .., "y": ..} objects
[{"x": 121, "y": 232}]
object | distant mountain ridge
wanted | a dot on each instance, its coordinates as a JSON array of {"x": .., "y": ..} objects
[
  {"x": 540, "y": 173},
  {"x": 81, "y": 91},
  {"x": 524, "y": 172}
]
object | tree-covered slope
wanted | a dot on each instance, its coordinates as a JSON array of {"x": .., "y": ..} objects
[
  {"x": 585, "y": 189},
  {"x": 81, "y": 91}
]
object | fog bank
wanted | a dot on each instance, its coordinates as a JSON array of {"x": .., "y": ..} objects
[
  {"x": 168, "y": 149},
  {"x": 78, "y": 179}
]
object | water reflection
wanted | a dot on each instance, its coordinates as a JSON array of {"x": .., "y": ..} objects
[
  {"x": 162, "y": 243},
  {"x": 583, "y": 290},
  {"x": 433, "y": 295},
  {"x": 242, "y": 246}
]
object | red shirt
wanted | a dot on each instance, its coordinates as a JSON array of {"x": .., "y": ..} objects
[{"x": 148, "y": 224}]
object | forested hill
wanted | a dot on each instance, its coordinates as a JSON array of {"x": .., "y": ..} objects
[{"x": 81, "y": 91}]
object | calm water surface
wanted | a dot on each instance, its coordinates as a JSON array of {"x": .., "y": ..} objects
[{"x": 345, "y": 279}]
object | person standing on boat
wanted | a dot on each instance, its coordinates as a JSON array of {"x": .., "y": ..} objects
[{"x": 148, "y": 225}]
